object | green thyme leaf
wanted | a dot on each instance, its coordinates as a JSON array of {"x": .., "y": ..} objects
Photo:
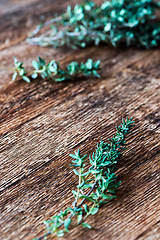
[
  {"x": 35, "y": 64},
  {"x": 86, "y": 225},
  {"x": 25, "y": 78},
  {"x": 41, "y": 61},
  {"x": 94, "y": 210},
  {"x": 14, "y": 76},
  {"x": 67, "y": 223},
  {"x": 79, "y": 217},
  {"x": 60, "y": 233}
]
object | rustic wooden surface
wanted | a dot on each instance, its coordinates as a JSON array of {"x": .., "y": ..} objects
[{"x": 43, "y": 122}]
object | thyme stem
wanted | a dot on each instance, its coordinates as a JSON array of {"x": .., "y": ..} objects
[
  {"x": 90, "y": 191},
  {"x": 71, "y": 215},
  {"x": 100, "y": 187},
  {"x": 53, "y": 71},
  {"x": 114, "y": 22}
]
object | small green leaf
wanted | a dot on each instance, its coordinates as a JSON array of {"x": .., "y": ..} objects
[
  {"x": 83, "y": 44},
  {"x": 60, "y": 79},
  {"x": 89, "y": 64},
  {"x": 41, "y": 61},
  {"x": 65, "y": 212},
  {"x": 74, "y": 156},
  {"x": 19, "y": 65},
  {"x": 25, "y": 78},
  {"x": 76, "y": 172},
  {"x": 85, "y": 208},
  {"x": 86, "y": 225},
  {"x": 53, "y": 66},
  {"x": 81, "y": 185},
  {"x": 108, "y": 197},
  {"x": 79, "y": 217},
  {"x": 67, "y": 222},
  {"x": 22, "y": 72},
  {"x": 60, "y": 233},
  {"x": 107, "y": 27},
  {"x": 94, "y": 171},
  {"x": 94, "y": 196},
  {"x": 96, "y": 64},
  {"x": 88, "y": 185},
  {"x": 86, "y": 197},
  {"x": 35, "y": 64},
  {"x": 71, "y": 210},
  {"x": 96, "y": 74},
  {"x": 86, "y": 173},
  {"x": 15, "y": 60},
  {"x": 14, "y": 76},
  {"x": 34, "y": 75},
  {"x": 74, "y": 193},
  {"x": 94, "y": 210},
  {"x": 72, "y": 68}
]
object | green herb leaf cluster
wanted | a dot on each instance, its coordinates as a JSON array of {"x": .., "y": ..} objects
[
  {"x": 53, "y": 71},
  {"x": 96, "y": 185},
  {"x": 115, "y": 22}
]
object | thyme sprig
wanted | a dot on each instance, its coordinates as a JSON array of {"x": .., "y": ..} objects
[
  {"x": 96, "y": 186},
  {"x": 53, "y": 71},
  {"x": 113, "y": 22}
]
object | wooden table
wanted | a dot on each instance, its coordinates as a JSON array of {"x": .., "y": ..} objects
[{"x": 43, "y": 122}]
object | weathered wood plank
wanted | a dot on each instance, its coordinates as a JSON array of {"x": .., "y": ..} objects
[{"x": 42, "y": 122}]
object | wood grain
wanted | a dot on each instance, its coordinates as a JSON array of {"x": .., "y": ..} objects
[{"x": 43, "y": 122}]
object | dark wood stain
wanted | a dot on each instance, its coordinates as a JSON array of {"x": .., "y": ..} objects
[{"x": 43, "y": 122}]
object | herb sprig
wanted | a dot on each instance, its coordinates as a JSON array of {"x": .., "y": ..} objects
[
  {"x": 113, "y": 22},
  {"x": 53, "y": 71},
  {"x": 96, "y": 186}
]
